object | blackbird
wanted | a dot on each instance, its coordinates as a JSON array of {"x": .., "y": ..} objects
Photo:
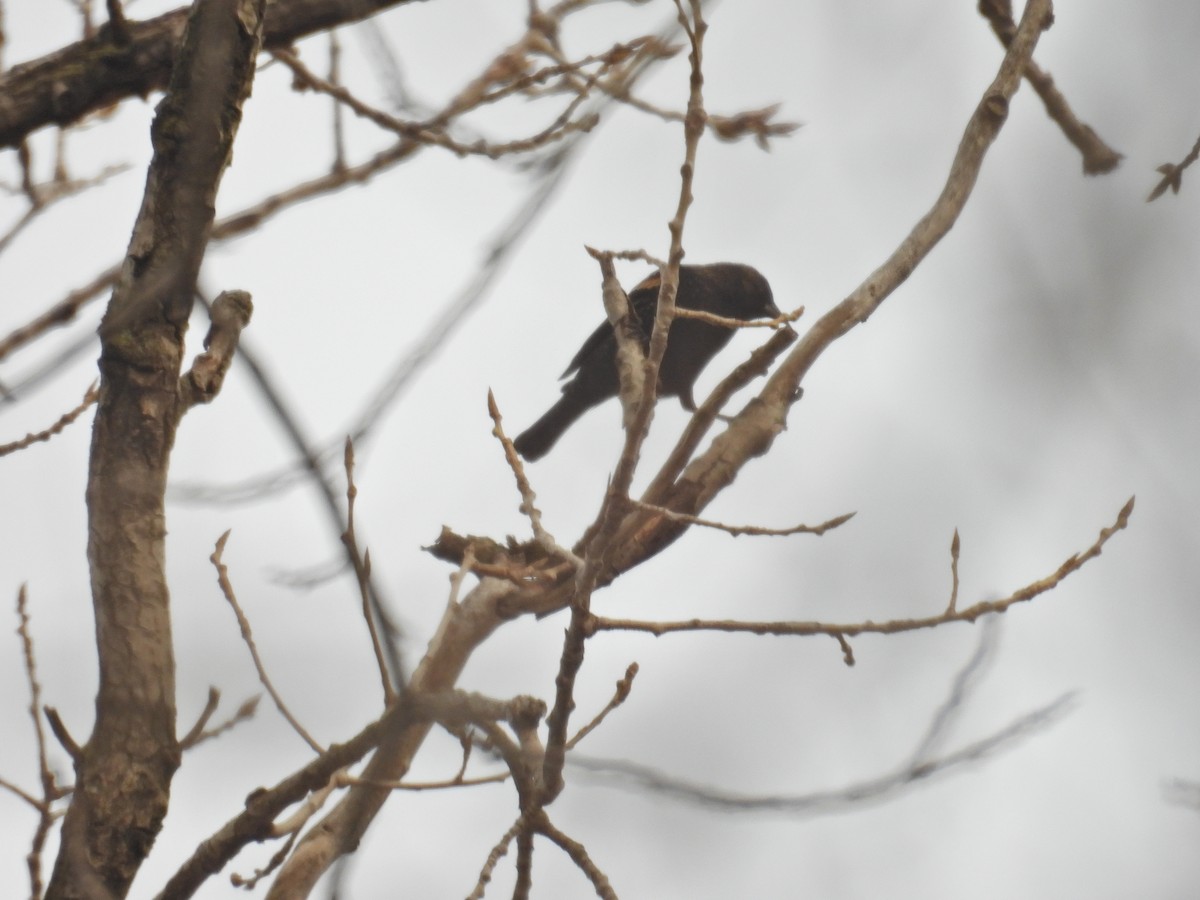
[{"x": 725, "y": 289}]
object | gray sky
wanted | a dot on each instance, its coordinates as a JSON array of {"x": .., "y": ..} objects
[{"x": 1039, "y": 368}]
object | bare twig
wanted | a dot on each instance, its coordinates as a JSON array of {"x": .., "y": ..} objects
[
  {"x": 419, "y": 786},
  {"x": 1172, "y": 173},
  {"x": 362, "y": 574},
  {"x": 210, "y": 707},
  {"x": 579, "y": 855},
  {"x": 335, "y": 78},
  {"x": 244, "y": 625},
  {"x": 874, "y": 790},
  {"x": 435, "y": 136},
  {"x": 494, "y": 857},
  {"x": 893, "y": 626},
  {"x": 758, "y": 364},
  {"x": 60, "y": 313},
  {"x": 624, "y": 686},
  {"x": 955, "y": 546},
  {"x": 43, "y": 196},
  {"x": 726, "y": 322},
  {"x": 49, "y": 785},
  {"x": 528, "y": 497},
  {"x": 63, "y": 421},
  {"x": 273, "y": 863},
  {"x": 737, "y": 530},
  {"x": 59, "y": 730},
  {"x": 199, "y": 733},
  {"x": 1098, "y": 157}
]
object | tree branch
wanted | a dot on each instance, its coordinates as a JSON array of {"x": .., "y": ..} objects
[
  {"x": 124, "y": 773},
  {"x": 65, "y": 86}
]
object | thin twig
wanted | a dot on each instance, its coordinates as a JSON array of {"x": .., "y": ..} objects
[
  {"x": 59, "y": 730},
  {"x": 210, "y": 707},
  {"x": 48, "y": 194},
  {"x": 422, "y": 133},
  {"x": 1098, "y": 157},
  {"x": 494, "y": 857},
  {"x": 244, "y": 625},
  {"x": 737, "y": 530},
  {"x": 49, "y": 785},
  {"x": 579, "y": 855},
  {"x": 726, "y": 322},
  {"x": 241, "y": 714},
  {"x": 892, "y": 626},
  {"x": 1172, "y": 173},
  {"x": 644, "y": 778},
  {"x": 63, "y": 421},
  {"x": 955, "y": 546},
  {"x": 544, "y": 538},
  {"x": 362, "y": 574},
  {"x": 624, "y": 686}
]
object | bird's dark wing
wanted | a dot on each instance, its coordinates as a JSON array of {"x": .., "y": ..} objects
[{"x": 642, "y": 299}]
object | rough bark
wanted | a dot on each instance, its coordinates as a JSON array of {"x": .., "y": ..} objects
[
  {"x": 123, "y": 774},
  {"x": 93, "y": 74}
]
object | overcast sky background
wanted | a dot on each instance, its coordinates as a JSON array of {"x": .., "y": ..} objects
[{"x": 1039, "y": 368}]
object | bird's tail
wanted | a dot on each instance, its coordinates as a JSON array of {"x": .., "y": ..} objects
[{"x": 536, "y": 440}]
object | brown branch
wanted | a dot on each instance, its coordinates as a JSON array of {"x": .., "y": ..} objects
[
  {"x": 63, "y": 421},
  {"x": 493, "y": 858},
  {"x": 955, "y": 546},
  {"x": 759, "y": 363},
  {"x": 736, "y": 530},
  {"x": 624, "y": 686},
  {"x": 62, "y": 735},
  {"x": 93, "y": 74},
  {"x": 362, "y": 575},
  {"x": 248, "y": 638},
  {"x": 435, "y": 134},
  {"x": 49, "y": 784},
  {"x": 578, "y": 855},
  {"x": 726, "y": 322},
  {"x": 230, "y": 313},
  {"x": 241, "y": 714},
  {"x": 124, "y": 774},
  {"x": 210, "y": 707},
  {"x": 1098, "y": 157},
  {"x": 43, "y": 196},
  {"x": 1172, "y": 173},
  {"x": 893, "y": 626},
  {"x": 254, "y": 824},
  {"x": 60, "y": 313},
  {"x": 528, "y": 498}
]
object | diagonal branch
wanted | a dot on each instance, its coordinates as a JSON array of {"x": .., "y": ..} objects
[{"x": 93, "y": 74}]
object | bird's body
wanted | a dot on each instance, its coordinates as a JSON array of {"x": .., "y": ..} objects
[{"x": 725, "y": 289}]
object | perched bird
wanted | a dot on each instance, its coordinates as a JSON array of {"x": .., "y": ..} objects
[{"x": 725, "y": 289}]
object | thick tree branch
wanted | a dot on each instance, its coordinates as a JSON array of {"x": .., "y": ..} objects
[
  {"x": 90, "y": 75},
  {"x": 124, "y": 772}
]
